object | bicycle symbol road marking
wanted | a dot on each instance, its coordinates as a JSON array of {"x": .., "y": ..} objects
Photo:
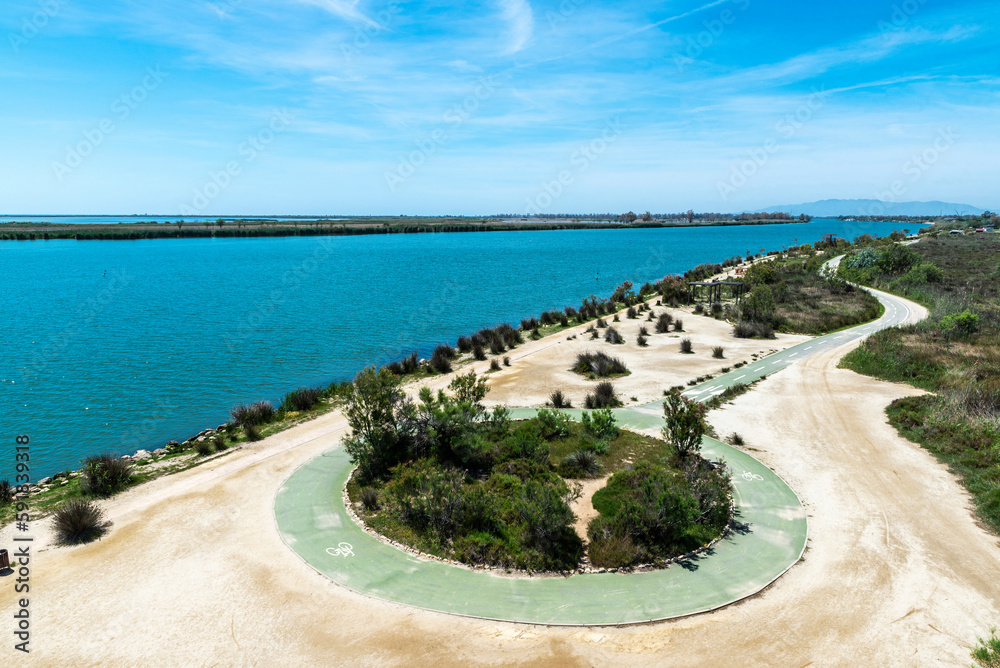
[
  {"x": 342, "y": 550},
  {"x": 747, "y": 475}
]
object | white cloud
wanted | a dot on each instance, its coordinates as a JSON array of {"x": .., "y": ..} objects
[{"x": 520, "y": 24}]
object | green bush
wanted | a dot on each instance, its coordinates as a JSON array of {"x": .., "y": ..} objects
[
  {"x": 302, "y": 399},
  {"x": 960, "y": 325},
  {"x": 553, "y": 423},
  {"x": 986, "y": 653},
  {"x": 581, "y": 464},
  {"x": 105, "y": 474},
  {"x": 684, "y": 423},
  {"x": 6, "y": 493},
  {"x": 600, "y": 424}
]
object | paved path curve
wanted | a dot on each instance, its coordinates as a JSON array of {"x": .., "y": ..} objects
[{"x": 313, "y": 521}]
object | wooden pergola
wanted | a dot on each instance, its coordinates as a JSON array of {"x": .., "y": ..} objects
[{"x": 736, "y": 289}]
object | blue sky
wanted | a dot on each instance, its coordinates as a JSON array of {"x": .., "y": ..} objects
[{"x": 368, "y": 107}]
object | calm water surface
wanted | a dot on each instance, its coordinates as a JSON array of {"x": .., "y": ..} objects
[{"x": 121, "y": 345}]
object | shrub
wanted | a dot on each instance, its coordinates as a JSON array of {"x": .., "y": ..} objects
[
  {"x": 612, "y": 336},
  {"x": 506, "y": 361},
  {"x": 717, "y": 353},
  {"x": 684, "y": 423},
  {"x": 559, "y": 400},
  {"x": 599, "y": 364},
  {"x": 663, "y": 323},
  {"x": 601, "y": 424},
  {"x": 494, "y": 364},
  {"x": 252, "y": 432},
  {"x": 716, "y": 309},
  {"x": 497, "y": 344},
  {"x": 643, "y": 331},
  {"x": 302, "y": 399},
  {"x": 594, "y": 334},
  {"x": 601, "y": 323},
  {"x": 736, "y": 439},
  {"x": 745, "y": 329},
  {"x": 642, "y": 341},
  {"x": 678, "y": 325},
  {"x": 960, "y": 325},
  {"x": 616, "y": 318},
  {"x": 375, "y": 409},
  {"x": 603, "y": 396},
  {"x": 79, "y": 521},
  {"x": 440, "y": 361},
  {"x": 631, "y": 314},
  {"x": 204, "y": 448},
  {"x": 699, "y": 309},
  {"x": 257, "y": 413},
  {"x": 446, "y": 351},
  {"x": 369, "y": 498},
  {"x": 570, "y": 312},
  {"x": 478, "y": 353},
  {"x": 104, "y": 474},
  {"x": 220, "y": 442},
  {"x": 6, "y": 492},
  {"x": 553, "y": 423},
  {"x": 529, "y": 324},
  {"x": 535, "y": 335},
  {"x": 580, "y": 464},
  {"x": 464, "y": 344},
  {"x": 986, "y": 653},
  {"x": 686, "y": 346},
  {"x": 612, "y": 551}
]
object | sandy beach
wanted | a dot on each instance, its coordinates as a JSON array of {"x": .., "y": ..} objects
[{"x": 193, "y": 572}]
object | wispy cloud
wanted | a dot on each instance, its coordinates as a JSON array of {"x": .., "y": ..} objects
[
  {"x": 520, "y": 22},
  {"x": 345, "y": 9}
]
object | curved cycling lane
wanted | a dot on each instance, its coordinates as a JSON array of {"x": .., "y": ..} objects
[{"x": 313, "y": 521}]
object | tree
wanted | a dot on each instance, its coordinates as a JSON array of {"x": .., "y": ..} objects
[
  {"x": 685, "y": 423},
  {"x": 646, "y": 217},
  {"x": 220, "y": 222},
  {"x": 759, "y": 304},
  {"x": 377, "y": 411},
  {"x": 690, "y": 217},
  {"x": 628, "y": 217}
]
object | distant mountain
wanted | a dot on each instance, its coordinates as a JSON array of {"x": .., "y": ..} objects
[{"x": 831, "y": 208}]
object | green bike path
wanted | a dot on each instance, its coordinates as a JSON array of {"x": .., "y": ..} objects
[{"x": 313, "y": 521}]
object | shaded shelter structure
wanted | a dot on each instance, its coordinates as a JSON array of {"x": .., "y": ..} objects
[{"x": 736, "y": 289}]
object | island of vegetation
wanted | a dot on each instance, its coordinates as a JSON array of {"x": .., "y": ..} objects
[{"x": 448, "y": 477}]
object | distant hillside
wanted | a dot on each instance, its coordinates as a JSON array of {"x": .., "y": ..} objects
[{"x": 831, "y": 208}]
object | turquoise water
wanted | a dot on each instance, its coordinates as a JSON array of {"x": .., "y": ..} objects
[{"x": 121, "y": 345}]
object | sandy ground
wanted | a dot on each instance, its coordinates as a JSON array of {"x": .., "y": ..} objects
[
  {"x": 655, "y": 368},
  {"x": 583, "y": 507},
  {"x": 194, "y": 573}
]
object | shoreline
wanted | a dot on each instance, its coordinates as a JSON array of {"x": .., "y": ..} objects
[{"x": 236, "y": 228}]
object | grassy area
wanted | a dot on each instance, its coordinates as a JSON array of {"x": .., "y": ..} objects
[
  {"x": 789, "y": 294},
  {"x": 955, "y": 353}
]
